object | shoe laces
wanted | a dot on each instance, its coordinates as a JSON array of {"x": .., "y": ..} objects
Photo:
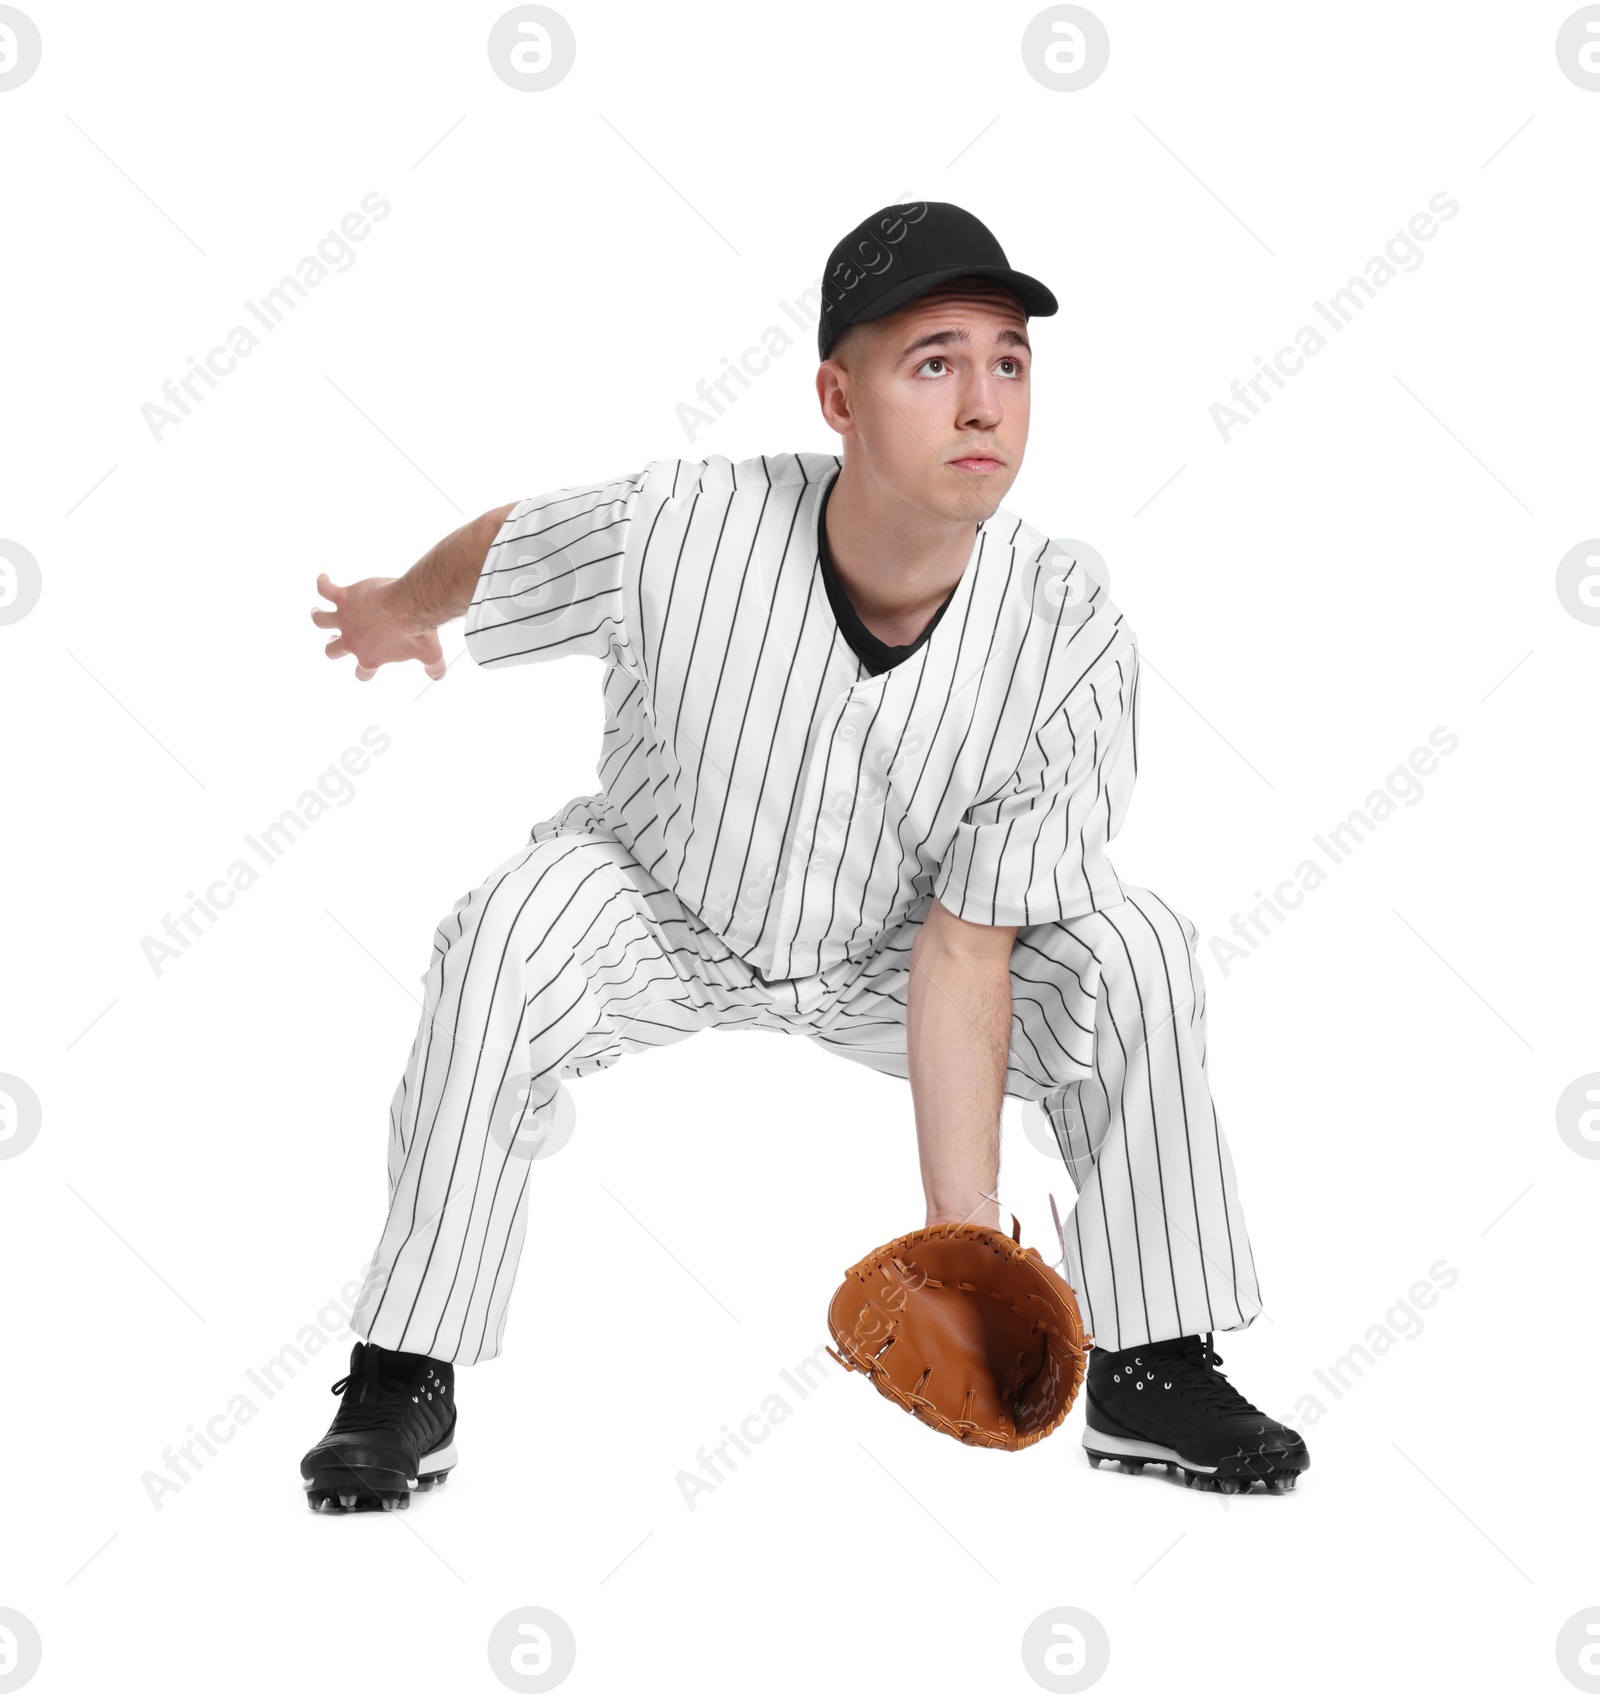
[
  {"x": 375, "y": 1395},
  {"x": 1194, "y": 1366}
]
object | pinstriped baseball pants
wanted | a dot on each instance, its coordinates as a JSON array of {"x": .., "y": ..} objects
[{"x": 570, "y": 954}]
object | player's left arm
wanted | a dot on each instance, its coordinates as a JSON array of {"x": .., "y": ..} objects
[
  {"x": 1034, "y": 850},
  {"x": 958, "y": 1038}
]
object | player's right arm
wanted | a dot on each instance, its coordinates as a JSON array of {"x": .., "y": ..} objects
[{"x": 397, "y": 619}]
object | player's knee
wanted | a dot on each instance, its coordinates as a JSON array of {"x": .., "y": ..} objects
[
  {"x": 1160, "y": 918},
  {"x": 1152, "y": 944},
  {"x": 529, "y": 896}
]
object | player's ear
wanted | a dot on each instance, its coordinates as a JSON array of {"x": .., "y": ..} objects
[{"x": 833, "y": 395}]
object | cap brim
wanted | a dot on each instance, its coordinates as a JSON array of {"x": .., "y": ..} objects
[{"x": 1037, "y": 301}]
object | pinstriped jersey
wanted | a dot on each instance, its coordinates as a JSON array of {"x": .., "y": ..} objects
[{"x": 801, "y": 806}]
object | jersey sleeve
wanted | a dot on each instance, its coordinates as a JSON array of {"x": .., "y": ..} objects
[
  {"x": 1036, "y": 850},
  {"x": 552, "y": 582}
]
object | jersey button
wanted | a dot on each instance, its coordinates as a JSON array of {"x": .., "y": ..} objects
[{"x": 818, "y": 863}]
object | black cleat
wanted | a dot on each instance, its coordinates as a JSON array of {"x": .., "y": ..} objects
[
  {"x": 394, "y": 1433},
  {"x": 1166, "y": 1403}
]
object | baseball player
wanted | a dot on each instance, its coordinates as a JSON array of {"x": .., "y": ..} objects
[{"x": 867, "y": 735}]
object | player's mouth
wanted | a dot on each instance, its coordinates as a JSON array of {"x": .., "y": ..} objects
[{"x": 977, "y": 463}]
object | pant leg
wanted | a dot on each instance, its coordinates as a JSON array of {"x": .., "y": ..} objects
[
  {"x": 553, "y": 966},
  {"x": 1108, "y": 1036},
  {"x": 1156, "y": 1243}
]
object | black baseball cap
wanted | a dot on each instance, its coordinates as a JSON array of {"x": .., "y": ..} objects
[{"x": 903, "y": 251}]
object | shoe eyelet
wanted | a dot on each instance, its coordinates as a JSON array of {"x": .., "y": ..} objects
[
  {"x": 1116, "y": 1378},
  {"x": 1138, "y": 1387},
  {"x": 1167, "y": 1385}
]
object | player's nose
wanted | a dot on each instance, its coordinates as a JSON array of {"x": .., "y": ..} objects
[
  {"x": 980, "y": 416},
  {"x": 981, "y": 408}
]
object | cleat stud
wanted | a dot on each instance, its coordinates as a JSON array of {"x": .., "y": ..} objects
[
  {"x": 349, "y": 1500},
  {"x": 1133, "y": 1467}
]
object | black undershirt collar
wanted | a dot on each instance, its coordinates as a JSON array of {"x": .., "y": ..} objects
[{"x": 876, "y": 655}]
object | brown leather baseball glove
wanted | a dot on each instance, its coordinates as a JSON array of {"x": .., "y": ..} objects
[{"x": 965, "y": 1329}]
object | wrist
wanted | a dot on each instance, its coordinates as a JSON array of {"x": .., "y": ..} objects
[
  {"x": 396, "y": 606},
  {"x": 980, "y": 1210}
]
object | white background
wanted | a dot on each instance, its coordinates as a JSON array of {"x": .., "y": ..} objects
[{"x": 1369, "y": 559}]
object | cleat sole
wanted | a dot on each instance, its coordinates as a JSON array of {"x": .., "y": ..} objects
[
  {"x": 1276, "y": 1479},
  {"x": 1124, "y": 1449},
  {"x": 1274, "y": 1472},
  {"x": 1273, "y": 1482},
  {"x": 340, "y": 1489}
]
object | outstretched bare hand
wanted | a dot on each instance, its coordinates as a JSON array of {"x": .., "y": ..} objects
[{"x": 370, "y": 629}]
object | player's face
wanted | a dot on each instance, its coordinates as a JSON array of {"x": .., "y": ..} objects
[{"x": 935, "y": 400}]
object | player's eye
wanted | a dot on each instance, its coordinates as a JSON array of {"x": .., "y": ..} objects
[
  {"x": 1013, "y": 363},
  {"x": 933, "y": 360}
]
